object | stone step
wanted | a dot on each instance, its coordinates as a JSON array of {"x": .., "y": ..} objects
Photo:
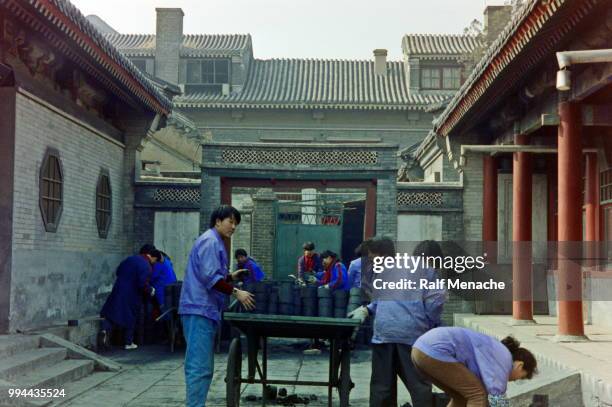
[
  {"x": 80, "y": 387},
  {"x": 22, "y": 363},
  {"x": 562, "y": 388},
  {"x": 55, "y": 376},
  {"x": 13, "y": 344}
]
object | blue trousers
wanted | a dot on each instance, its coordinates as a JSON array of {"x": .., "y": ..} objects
[{"x": 199, "y": 334}]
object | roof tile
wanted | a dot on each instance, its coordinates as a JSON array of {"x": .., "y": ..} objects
[{"x": 308, "y": 83}]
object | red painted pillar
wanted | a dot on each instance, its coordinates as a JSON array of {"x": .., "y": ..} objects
[
  {"x": 522, "y": 301},
  {"x": 592, "y": 198},
  {"x": 569, "y": 220},
  {"x": 489, "y": 207}
]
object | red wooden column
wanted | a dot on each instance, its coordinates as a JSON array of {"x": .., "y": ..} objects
[
  {"x": 592, "y": 198},
  {"x": 591, "y": 208},
  {"x": 569, "y": 221},
  {"x": 522, "y": 300},
  {"x": 489, "y": 207}
]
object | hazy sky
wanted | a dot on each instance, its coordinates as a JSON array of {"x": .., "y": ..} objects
[{"x": 343, "y": 29}]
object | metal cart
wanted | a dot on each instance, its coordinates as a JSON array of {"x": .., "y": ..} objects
[{"x": 259, "y": 327}]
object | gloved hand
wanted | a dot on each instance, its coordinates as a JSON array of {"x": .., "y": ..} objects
[
  {"x": 498, "y": 401},
  {"x": 152, "y": 291},
  {"x": 360, "y": 313}
]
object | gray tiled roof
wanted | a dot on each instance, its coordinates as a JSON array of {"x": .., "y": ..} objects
[
  {"x": 320, "y": 84},
  {"x": 194, "y": 45},
  {"x": 76, "y": 30},
  {"x": 438, "y": 44}
]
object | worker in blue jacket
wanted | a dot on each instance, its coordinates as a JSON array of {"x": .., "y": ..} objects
[
  {"x": 309, "y": 264},
  {"x": 122, "y": 306},
  {"x": 354, "y": 269},
  {"x": 206, "y": 286},
  {"x": 334, "y": 275},
  {"x": 163, "y": 274},
  {"x": 244, "y": 262},
  {"x": 399, "y": 319},
  {"x": 473, "y": 368}
]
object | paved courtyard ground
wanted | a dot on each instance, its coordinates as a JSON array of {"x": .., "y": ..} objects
[{"x": 152, "y": 376}]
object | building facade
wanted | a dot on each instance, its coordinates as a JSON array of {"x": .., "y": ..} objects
[{"x": 74, "y": 115}]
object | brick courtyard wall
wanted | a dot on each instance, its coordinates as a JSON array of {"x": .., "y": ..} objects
[
  {"x": 63, "y": 275},
  {"x": 264, "y": 230}
]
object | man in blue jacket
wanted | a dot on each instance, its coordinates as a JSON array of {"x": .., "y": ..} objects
[
  {"x": 163, "y": 274},
  {"x": 398, "y": 321},
  {"x": 205, "y": 288},
  {"x": 122, "y": 306},
  {"x": 244, "y": 262}
]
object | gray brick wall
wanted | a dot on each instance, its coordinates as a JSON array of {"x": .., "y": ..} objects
[
  {"x": 264, "y": 227},
  {"x": 168, "y": 40},
  {"x": 62, "y": 275},
  {"x": 211, "y": 197},
  {"x": 386, "y": 208},
  {"x": 472, "y": 198}
]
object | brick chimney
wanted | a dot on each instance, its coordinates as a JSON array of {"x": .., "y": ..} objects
[
  {"x": 168, "y": 40},
  {"x": 495, "y": 20},
  {"x": 380, "y": 62}
]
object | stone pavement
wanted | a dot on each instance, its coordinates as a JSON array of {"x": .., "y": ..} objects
[{"x": 152, "y": 377}]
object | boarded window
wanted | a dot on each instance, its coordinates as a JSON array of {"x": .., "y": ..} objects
[
  {"x": 207, "y": 75},
  {"x": 51, "y": 190},
  {"x": 430, "y": 78},
  {"x": 451, "y": 78},
  {"x": 103, "y": 204},
  {"x": 140, "y": 63}
]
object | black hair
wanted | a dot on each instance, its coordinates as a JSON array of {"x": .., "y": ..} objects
[
  {"x": 156, "y": 254},
  {"x": 530, "y": 365},
  {"x": 362, "y": 249},
  {"x": 328, "y": 253},
  {"x": 147, "y": 249},
  {"x": 240, "y": 252},
  {"x": 428, "y": 248},
  {"x": 224, "y": 212},
  {"x": 381, "y": 246},
  {"x": 308, "y": 246}
]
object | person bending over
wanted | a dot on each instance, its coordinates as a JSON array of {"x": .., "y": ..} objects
[{"x": 472, "y": 368}]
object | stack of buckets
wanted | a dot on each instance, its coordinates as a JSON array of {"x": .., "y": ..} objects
[{"x": 289, "y": 298}]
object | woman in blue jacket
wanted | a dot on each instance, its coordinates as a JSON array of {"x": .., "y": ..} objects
[
  {"x": 473, "y": 368},
  {"x": 399, "y": 319}
]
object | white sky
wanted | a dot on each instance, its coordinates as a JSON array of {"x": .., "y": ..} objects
[{"x": 342, "y": 29}]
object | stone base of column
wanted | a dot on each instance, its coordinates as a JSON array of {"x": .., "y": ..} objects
[
  {"x": 522, "y": 322},
  {"x": 570, "y": 338}
]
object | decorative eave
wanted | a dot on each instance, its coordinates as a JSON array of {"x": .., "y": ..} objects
[
  {"x": 65, "y": 28},
  {"x": 531, "y": 21},
  {"x": 298, "y": 106}
]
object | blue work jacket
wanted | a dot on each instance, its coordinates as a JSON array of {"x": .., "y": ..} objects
[
  {"x": 485, "y": 356},
  {"x": 207, "y": 264},
  {"x": 132, "y": 282}
]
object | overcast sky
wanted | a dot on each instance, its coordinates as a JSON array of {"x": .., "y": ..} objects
[{"x": 342, "y": 29}]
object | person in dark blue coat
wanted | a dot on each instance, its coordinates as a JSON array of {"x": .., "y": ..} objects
[
  {"x": 163, "y": 274},
  {"x": 132, "y": 283},
  {"x": 244, "y": 262}
]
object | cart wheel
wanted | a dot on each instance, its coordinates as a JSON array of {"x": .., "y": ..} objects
[
  {"x": 345, "y": 385},
  {"x": 234, "y": 374}
]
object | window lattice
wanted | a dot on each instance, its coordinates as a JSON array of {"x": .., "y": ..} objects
[
  {"x": 177, "y": 195},
  {"x": 320, "y": 158},
  {"x": 419, "y": 199}
]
